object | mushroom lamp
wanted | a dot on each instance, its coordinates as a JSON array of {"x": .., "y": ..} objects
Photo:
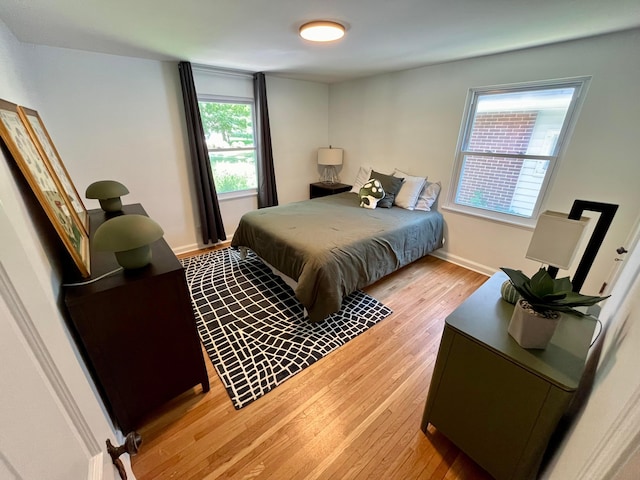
[
  {"x": 108, "y": 192},
  {"x": 129, "y": 237}
]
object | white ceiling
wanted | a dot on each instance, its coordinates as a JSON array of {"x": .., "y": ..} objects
[{"x": 261, "y": 35}]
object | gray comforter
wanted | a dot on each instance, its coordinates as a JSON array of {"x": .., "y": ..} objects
[{"x": 332, "y": 247}]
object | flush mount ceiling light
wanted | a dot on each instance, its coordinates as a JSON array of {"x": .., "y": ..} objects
[{"x": 322, "y": 31}]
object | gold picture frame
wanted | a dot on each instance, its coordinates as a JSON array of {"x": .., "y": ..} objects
[
  {"x": 41, "y": 180},
  {"x": 49, "y": 153}
]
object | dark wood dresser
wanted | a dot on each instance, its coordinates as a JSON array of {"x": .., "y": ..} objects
[{"x": 136, "y": 330}]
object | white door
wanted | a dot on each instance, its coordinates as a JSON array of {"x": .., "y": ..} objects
[
  {"x": 37, "y": 440},
  {"x": 43, "y": 433},
  {"x": 622, "y": 258}
]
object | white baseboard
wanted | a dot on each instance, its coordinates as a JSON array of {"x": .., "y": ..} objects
[
  {"x": 195, "y": 247},
  {"x": 463, "y": 262},
  {"x": 100, "y": 469},
  {"x": 186, "y": 249}
]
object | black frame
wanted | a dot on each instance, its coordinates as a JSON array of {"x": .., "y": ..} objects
[{"x": 607, "y": 212}]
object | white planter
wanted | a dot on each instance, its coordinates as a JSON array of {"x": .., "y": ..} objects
[{"x": 531, "y": 329}]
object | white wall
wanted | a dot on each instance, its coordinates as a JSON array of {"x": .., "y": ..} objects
[
  {"x": 122, "y": 118},
  {"x": 299, "y": 118},
  {"x": 411, "y": 119},
  {"x": 63, "y": 426}
]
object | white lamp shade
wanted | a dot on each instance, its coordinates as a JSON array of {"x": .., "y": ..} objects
[
  {"x": 329, "y": 156},
  {"x": 556, "y": 239}
]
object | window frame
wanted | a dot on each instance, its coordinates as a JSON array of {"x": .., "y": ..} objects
[
  {"x": 249, "y": 192},
  {"x": 580, "y": 84}
]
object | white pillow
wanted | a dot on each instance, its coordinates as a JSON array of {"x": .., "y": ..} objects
[
  {"x": 428, "y": 196},
  {"x": 410, "y": 190},
  {"x": 363, "y": 176}
]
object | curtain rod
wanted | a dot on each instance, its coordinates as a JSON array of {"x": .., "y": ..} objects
[{"x": 221, "y": 71}]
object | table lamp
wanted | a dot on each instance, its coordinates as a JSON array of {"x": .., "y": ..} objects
[
  {"x": 557, "y": 236},
  {"x": 129, "y": 237},
  {"x": 328, "y": 159},
  {"x": 556, "y": 239},
  {"x": 108, "y": 193}
]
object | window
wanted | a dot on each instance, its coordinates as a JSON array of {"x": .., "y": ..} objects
[
  {"x": 510, "y": 141},
  {"x": 229, "y": 133}
]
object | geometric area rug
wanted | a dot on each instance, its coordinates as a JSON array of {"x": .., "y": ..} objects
[{"x": 253, "y": 327}]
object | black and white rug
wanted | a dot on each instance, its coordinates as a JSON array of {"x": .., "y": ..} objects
[{"x": 253, "y": 327}]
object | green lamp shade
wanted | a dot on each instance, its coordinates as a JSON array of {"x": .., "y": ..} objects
[
  {"x": 108, "y": 192},
  {"x": 129, "y": 237}
]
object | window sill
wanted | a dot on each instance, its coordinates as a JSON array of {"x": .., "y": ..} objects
[
  {"x": 511, "y": 220},
  {"x": 223, "y": 197}
]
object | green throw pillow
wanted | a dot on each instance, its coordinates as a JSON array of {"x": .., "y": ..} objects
[{"x": 391, "y": 186}]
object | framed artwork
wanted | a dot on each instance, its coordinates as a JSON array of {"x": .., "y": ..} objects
[
  {"x": 41, "y": 180},
  {"x": 50, "y": 155}
]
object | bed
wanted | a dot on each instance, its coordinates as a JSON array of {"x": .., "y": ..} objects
[{"x": 332, "y": 247}]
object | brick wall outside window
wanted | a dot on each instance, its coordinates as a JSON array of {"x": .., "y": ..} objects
[{"x": 489, "y": 182}]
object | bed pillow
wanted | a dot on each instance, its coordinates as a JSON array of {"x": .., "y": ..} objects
[
  {"x": 410, "y": 190},
  {"x": 428, "y": 196},
  {"x": 391, "y": 186},
  {"x": 371, "y": 193},
  {"x": 364, "y": 174}
]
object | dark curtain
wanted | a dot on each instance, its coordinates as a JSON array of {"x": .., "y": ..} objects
[
  {"x": 210, "y": 218},
  {"x": 267, "y": 193}
]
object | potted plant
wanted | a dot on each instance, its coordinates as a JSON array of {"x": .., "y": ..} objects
[{"x": 536, "y": 315}]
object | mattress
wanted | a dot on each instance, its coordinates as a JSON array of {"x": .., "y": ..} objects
[{"x": 332, "y": 247}]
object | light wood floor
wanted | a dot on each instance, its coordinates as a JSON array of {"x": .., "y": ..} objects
[{"x": 355, "y": 414}]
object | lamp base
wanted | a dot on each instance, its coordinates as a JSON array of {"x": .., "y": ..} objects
[
  {"x": 134, "y": 258},
  {"x": 111, "y": 204},
  {"x": 329, "y": 175}
]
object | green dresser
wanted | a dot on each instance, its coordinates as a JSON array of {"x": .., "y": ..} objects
[{"x": 498, "y": 402}]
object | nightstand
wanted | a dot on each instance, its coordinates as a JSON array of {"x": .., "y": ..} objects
[
  {"x": 320, "y": 189},
  {"x": 498, "y": 402}
]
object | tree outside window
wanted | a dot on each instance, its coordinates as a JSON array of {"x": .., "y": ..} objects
[{"x": 229, "y": 133}]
